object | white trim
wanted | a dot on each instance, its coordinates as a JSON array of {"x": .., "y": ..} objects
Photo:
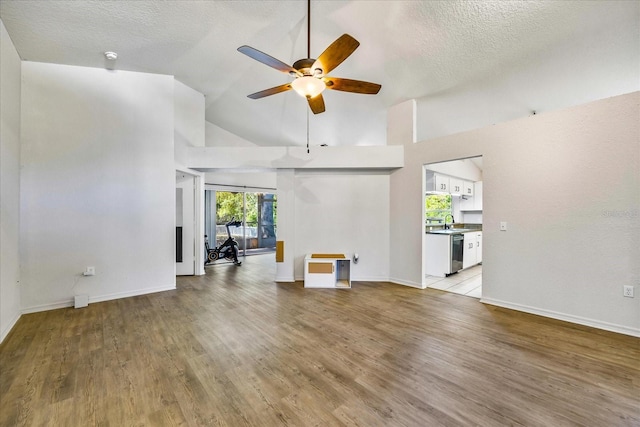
[
  {"x": 286, "y": 279},
  {"x": 100, "y": 298},
  {"x": 198, "y": 206},
  {"x": 621, "y": 329},
  {"x": 407, "y": 283},
  {"x": 240, "y": 188},
  {"x": 9, "y": 327},
  {"x": 372, "y": 279},
  {"x": 48, "y": 307},
  {"x": 128, "y": 294}
]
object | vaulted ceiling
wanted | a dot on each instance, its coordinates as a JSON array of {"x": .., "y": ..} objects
[{"x": 518, "y": 55}]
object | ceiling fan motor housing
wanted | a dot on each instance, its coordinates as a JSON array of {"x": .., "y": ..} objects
[{"x": 305, "y": 65}]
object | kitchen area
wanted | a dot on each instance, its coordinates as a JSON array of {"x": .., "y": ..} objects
[{"x": 452, "y": 242}]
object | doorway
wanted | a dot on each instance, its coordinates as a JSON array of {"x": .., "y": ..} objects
[
  {"x": 452, "y": 207},
  {"x": 256, "y": 210},
  {"x": 188, "y": 229}
]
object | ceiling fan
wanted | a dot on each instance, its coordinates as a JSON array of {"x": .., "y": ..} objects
[{"x": 310, "y": 74}]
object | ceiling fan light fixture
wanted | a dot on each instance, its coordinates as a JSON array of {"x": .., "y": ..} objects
[{"x": 308, "y": 86}]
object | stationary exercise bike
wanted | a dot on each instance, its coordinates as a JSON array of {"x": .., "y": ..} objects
[{"x": 227, "y": 250}]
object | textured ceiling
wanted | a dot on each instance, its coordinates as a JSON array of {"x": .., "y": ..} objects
[{"x": 415, "y": 49}]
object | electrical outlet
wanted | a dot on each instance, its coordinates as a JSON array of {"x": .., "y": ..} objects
[
  {"x": 628, "y": 291},
  {"x": 503, "y": 226},
  {"x": 89, "y": 271}
]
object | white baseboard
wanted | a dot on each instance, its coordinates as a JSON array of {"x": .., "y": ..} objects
[
  {"x": 287, "y": 279},
  {"x": 10, "y": 326},
  {"x": 47, "y": 307},
  {"x": 621, "y": 329},
  {"x": 98, "y": 298},
  {"x": 407, "y": 283},
  {"x": 118, "y": 295},
  {"x": 369, "y": 279}
]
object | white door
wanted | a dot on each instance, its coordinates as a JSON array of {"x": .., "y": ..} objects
[{"x": 185, "y": 225}]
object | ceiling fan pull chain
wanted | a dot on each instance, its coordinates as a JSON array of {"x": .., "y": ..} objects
[
  {"x": 310, "y": 75},
  {"x": 307, "y": 131}
]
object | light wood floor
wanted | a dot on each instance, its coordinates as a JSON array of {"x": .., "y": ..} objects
[
  {"x": 232, "y": 348},
  {"x": 465, "y": 282}
]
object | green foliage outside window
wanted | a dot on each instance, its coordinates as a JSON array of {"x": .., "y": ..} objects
[
  {"x": 229, "y": 205},
  {"x": 437, "y": 206}
]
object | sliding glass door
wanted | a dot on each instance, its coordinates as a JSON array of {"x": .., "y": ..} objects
[{"x": 257, "y": 211}]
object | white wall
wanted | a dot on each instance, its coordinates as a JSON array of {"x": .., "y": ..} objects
[
  {"x": 343, "y": 212},
  {"x": 189, "y": 130},
  {"x": 9, "y": 183},
  {"x": 463, "y": 169},
  {"x": 237, "y": 180},
  {"x": 98, "y": 184},
  {"x": 544, "y": 82},
  {"x": 567, "y": 184},
  {"x": 215, "y": 136},
  {"x": 286, "y": 224},
  {"x": 268, "y": 158}
]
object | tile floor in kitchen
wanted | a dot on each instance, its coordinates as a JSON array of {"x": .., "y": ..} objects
[{"x": 465, "y": 282}]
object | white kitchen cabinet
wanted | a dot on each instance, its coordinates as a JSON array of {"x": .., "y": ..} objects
[
  {"x": 442, "y": 183},
  {"x": 473, "y": 203},
  {"x": 467, "y": 187},
  {"x": 437, "y": 254},
  {"x": 469, "y": 254},
  {"x": 467, "y": 203},
  {"x": 456, "y": 186},
  {"x": 437, "y": 183},
  {"x": 472, "y": 254},
  {"x": 477, "y": 195},
  {"x": 327, "y": 271}
]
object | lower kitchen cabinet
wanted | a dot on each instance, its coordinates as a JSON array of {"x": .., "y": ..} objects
[
  {"x": 438, "y": 255},
  {"x": 327, "y": 271},
  {"x": 472, "y": 254}
]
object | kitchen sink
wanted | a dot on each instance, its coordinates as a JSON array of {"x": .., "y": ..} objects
[{"x": 451, "y": 231}]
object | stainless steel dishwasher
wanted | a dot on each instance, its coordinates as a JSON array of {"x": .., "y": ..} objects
[{"x": 457, "y": 251}]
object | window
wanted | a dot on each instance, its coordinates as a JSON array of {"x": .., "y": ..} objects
[
  {"x": 437, "y": 206},
  {"x": 256, "y": 211}
]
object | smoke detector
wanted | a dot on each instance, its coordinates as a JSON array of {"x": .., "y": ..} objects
[{"x": 111, "y": 56}]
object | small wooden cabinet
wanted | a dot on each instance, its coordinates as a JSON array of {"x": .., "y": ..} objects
[{"x": 327, "y": 271}]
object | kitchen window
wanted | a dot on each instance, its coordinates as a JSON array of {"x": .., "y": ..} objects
[{"x": 437, "y": 206}]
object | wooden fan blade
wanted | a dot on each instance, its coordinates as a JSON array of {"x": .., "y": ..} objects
[
  {"x": 316, "y": 104},
  {"x": 355, "y": 86},
  {"x": 337, "y": 52},
  {"x": 267, "y": 60},
  {"x": 271, "y": 91}
]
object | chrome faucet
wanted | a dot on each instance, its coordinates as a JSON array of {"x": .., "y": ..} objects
[{"x": 446, "y": 227}]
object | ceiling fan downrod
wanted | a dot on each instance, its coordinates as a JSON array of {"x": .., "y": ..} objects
[
  {"x": 308, "y": 28},
  {"x": 310, "y": 77}
]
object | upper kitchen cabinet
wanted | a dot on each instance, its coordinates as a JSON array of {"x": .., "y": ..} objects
[
  {"x": 437, "y": 183},
  {"x": 467, "y": 189},
  {"x": 456, "y": 186},
  {"x": 440, "y": 183},
  {"x": 473, "y": 203}
]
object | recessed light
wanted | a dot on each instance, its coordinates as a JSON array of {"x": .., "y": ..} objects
[{"x": 111, "y": 56}]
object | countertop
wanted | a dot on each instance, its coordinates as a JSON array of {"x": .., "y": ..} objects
[{"x": 465, "y": 228}]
